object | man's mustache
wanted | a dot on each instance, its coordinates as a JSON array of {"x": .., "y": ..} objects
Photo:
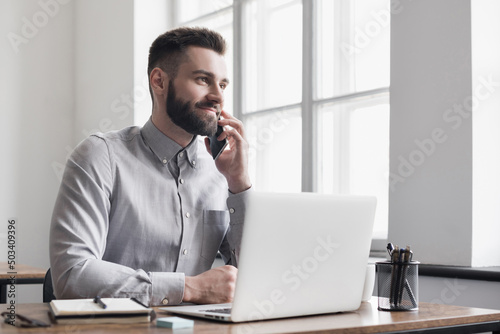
[{"x": 205, "y": 105}]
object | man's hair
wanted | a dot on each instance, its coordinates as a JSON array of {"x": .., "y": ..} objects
[{"x": 168, "y": 51}]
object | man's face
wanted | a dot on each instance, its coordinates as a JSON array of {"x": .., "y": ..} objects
[{"x": 196, "y": 90}]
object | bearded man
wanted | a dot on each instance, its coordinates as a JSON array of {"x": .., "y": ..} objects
[{"x": 143, "y": 212}]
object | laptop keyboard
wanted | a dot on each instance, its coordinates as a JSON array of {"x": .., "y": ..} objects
[{"x": 220, "y": 310}]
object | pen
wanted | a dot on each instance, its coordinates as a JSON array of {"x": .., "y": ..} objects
[
  {"x": 138, "y": 302},
  {"x": 404, "y": 256},
  {"x": 99, "y": 301},
  {"x": 390, "y": 248},
  {"x": 394, "y": 276}
]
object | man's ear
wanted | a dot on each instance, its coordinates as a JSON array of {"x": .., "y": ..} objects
[{"x": 159, "y": 81}]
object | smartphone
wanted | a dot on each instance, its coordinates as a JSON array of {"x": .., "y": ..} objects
[{"x": 217, "y": 146}]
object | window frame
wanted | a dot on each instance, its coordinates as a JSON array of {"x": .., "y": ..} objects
[{"x": 309, "y": 103}]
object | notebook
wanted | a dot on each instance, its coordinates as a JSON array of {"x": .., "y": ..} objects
[
  {"x": 86, "y": 311},
  {"x": 301, "y": 254}
]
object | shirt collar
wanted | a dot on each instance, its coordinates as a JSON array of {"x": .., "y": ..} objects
[{"x": 165, "y": 148}]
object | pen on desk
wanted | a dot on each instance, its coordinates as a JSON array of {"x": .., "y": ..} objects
[
  {"x": 138, "y": 302},
  {"x": 399, "y": 275},
  {"x": 408, "y": 258},
  {"x": 403, "y": 267},
  {"x": 410, "y": 293},
  {"x": 394, "y": 277},
  {"x": 390, "y": 248},
  {"x": 99, "y": 301}
]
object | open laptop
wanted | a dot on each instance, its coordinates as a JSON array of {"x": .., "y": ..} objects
[{"x": 301, "y": 254}]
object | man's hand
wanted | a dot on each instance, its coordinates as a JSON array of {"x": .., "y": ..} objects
[
  {"x": 233, "y": 162},
  {"x": 214, "y": 286}
]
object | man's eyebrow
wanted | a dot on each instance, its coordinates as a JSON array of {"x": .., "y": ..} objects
[{"x": 210, "y": 74}]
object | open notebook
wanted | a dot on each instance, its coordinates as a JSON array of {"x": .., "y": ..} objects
[{"x": 118, "y": 310}]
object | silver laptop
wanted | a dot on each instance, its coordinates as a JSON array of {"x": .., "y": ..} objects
[{"x": 301, "y": 254}]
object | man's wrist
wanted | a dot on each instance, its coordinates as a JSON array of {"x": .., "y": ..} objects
[
  {"x": 239, "y": 187},
  {"x": 188, "y": 290},
  {"x": 239, "y": 184}
]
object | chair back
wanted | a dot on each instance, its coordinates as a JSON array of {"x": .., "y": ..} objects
[{"x": 48, "y": 290}]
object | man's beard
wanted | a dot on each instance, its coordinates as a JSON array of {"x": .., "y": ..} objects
[{"x": 183, "y": 114}]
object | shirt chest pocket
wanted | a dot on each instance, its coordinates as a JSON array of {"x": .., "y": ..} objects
[{"x": 215, "y": 224}]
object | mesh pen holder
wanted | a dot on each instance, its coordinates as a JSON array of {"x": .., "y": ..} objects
[{"x": 397, "y": 286}]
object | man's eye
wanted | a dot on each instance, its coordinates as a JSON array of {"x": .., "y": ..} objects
[
  {"x": 223, "y": 86},
  {"x": 203, "y": 79}
]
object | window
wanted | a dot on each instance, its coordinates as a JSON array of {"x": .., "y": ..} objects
[{"x": 311, "y": 83}]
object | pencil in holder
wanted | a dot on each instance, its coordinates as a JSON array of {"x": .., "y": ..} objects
[{"x": 397, "y": 285}]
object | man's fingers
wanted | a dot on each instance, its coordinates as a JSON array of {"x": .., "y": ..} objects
[{"x": 233, "y": 122}]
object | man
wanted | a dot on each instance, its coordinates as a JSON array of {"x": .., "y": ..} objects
[{"x": 142, "y": 212}]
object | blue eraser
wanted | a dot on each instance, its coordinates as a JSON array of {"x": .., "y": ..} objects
[{"x": 174, "y": 322}]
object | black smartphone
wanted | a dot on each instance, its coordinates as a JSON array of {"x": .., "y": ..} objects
[{"x": 217, "y": 146}]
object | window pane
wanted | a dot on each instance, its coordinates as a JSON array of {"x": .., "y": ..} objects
[
  {"x": 222, "y": 22},
  {"x": 329, "y": 63},
  {"x": 369, "y": 159},
  {"x": 275, "y": 150},
  {"x": 188, "y": 10},
  {"x": 353, "y": 155},
  {"x": 272, "y": 54},
  {"x": 372, "y": 44},
  {"x": 352, "y": 46}
]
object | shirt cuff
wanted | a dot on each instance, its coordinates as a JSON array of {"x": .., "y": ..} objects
[
  {"x": 236, "y": 204},
  {"x": 168, "y": 288}
]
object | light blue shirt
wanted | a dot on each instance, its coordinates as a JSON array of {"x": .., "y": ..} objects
[{"x": 135, "y": 213}]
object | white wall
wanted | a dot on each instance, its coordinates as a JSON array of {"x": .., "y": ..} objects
[
  {"x": 445, "y": 162},
  {"x": 37, "y": 102},
  {"x": 104, "y": 65},
  {"x": 431, "y": 207},
  {"x": 486, "y": 122},
  {"x": 151, "y": 19},
  {"x": 69, "y": 63}
]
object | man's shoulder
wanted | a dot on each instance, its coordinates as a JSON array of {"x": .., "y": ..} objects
[
  {"x": 97, "y": 146},
  {"x": 124, "y": 135}
]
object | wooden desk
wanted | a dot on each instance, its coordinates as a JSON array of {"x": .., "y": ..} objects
[
  {"x": 24, "y": 275},
  {"x": 433, "y": 318}
]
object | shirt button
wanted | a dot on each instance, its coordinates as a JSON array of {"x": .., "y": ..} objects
[
  {"x": 164, "y": 161},
  {"x": 164, "y": 301},
  {"x": 181, "y": 154},
  {"x": 194, "y": 162},
  {"x": 185, "y": 251},
  {"x": 181, "y": 181},
  {"x": 188, "y": 215},
  {"x": 231, "y": 210}
]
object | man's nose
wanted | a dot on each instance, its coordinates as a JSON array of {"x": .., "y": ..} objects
[{"x": 216, "y": 95}]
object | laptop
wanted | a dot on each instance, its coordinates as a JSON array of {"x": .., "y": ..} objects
[{"x": 301, "y": 254}]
